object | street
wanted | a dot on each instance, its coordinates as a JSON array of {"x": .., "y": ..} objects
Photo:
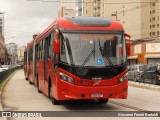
[{"x": 19, "y": 95}]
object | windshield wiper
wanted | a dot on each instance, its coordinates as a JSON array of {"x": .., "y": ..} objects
[
  {"x": 108, "y": 59},
  {"x": 88, "y": 57}
]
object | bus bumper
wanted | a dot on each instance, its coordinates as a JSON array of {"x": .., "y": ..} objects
[{"x": 72, "y": 92}]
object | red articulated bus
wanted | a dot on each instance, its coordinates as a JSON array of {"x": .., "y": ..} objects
[{"x": 79, "y": 58}]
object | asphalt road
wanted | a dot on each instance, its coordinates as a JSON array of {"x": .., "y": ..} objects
[{"x": 19, "y": 95}]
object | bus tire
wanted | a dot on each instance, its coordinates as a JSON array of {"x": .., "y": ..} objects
[
  {"x": 54, "y": 101},
  {"x": 49, "y": 88},
  {"x": 38, "y": 85},
  {"x": 30, "y": 82},
  {"x": 102, "y": 101},
  {"x": 26, "y": 78}
]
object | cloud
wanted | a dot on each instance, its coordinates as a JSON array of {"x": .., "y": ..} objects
[{"x": 24, "y": 18}]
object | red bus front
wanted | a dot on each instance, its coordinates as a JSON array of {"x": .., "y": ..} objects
[{"x": 91, "y": 65}]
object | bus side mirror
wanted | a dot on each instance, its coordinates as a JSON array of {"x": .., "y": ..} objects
[
  {"x": 56, "y": 46},
  {"x": 127, "y": 44},
  {"x": 56, "y": 43}
]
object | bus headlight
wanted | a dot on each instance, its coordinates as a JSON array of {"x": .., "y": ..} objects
[
  {"x": 123, "y": 78},
  {"x": 66, "y": 78}
]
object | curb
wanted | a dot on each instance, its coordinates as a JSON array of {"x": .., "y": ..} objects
[
  {"x": 144, "y": 86},
  {"x": 4, "y": 84}
]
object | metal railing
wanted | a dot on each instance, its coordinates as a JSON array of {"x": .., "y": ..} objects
[{"x": 7, "y": 73}]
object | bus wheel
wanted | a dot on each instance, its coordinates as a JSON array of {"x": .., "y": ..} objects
[
  {"x": 102, "y": 101},
  {"x": 26, "y": 78},
  {"x": 54, "y": 101},
  {"x": 30, "y": 82},
  {"x": 38, "y": 86}
]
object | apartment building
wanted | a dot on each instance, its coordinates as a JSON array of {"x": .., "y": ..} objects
[
  {"x": 79, "y": 8},
  {"x": 2, "y": 49},
  {"x": 67, "y": 8},
  {"x": 2, "y": 22},
  {"x": 126, "y": 11},
  {"x": 150, "y": 17}
]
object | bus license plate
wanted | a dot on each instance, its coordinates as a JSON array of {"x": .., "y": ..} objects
[{"x": 97, "y": 95}]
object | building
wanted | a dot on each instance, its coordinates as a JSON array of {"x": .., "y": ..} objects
[
  {"x": 149, "y": 51},
  {"x": 20, "y": 53},
  {"x": 128, "y": 14},
  {"x": 67, "y": 8},
  {"x": 141, "y": 18},
  {"x": 79, "y": 7},
  {"x": 2, "y": 23},
  {"x": 12, "y": 51},
  {"x": 88, "y": 8},
  {"x": 2, "y": 50},
  {"x": 150, "y": 19}
]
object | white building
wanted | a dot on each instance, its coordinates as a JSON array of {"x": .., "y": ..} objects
[
  {"x": 12, "y": 51},
  {"x": 20, "y": 53}
]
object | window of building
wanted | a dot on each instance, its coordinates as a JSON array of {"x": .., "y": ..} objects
[
  {"x": 150, "y": 33},
  {"x": 153, "y": 33},
  {"x": 158, "y": 32},
  {"x": 158, "y": 18},
  {"x": 153, "y": 11},
  {"x": 153, "y": 26},
  {"x": 153, "y": 19},
  {"x": 150, "y": 26},
  {"x": 157, "y": 25},
  {"x": 153, "y": 4}
]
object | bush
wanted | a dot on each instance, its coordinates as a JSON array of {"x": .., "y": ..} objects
[{"x": 5, "y": 74}]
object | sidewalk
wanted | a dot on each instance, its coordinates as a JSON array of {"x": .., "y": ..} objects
[
  {"x": 5, "y": 82},
  {"x": 144, "y": 85}
]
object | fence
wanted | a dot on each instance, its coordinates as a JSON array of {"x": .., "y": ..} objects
[{"x": 5, "y": 74}]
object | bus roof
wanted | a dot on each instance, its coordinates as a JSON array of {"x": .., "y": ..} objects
[
  {"x": 82, "y": 23},
  {"x": 88, "y": 23}
]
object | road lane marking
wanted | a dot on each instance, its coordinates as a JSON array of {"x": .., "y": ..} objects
[{"x": 127, "y": 106}]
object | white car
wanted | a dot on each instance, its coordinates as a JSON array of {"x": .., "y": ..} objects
[
  {"x": 4, "y": 67},
  {"x": 1, "y": 70}
]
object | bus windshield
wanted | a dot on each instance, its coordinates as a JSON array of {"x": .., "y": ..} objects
[{"x": 107, "y": 49}]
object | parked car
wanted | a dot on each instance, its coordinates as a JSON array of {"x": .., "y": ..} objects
[
  {"x": 1, "y": 70},
  {"x": 5, "y": 67},
  {"x": 135, "y": 72},
  {"x": 152, "y": 74}
]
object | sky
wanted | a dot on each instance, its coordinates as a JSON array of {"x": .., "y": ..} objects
[{"x": 23, "y": 18}]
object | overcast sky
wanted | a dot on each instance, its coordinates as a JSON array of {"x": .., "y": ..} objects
[{"x": 24, "y": 18}]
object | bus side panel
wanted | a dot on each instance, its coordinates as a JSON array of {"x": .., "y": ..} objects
[
  {"x": 41, "y": 76},
  {"x": 54, "y": 82},
  {"x": 30, "y": 71}
]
